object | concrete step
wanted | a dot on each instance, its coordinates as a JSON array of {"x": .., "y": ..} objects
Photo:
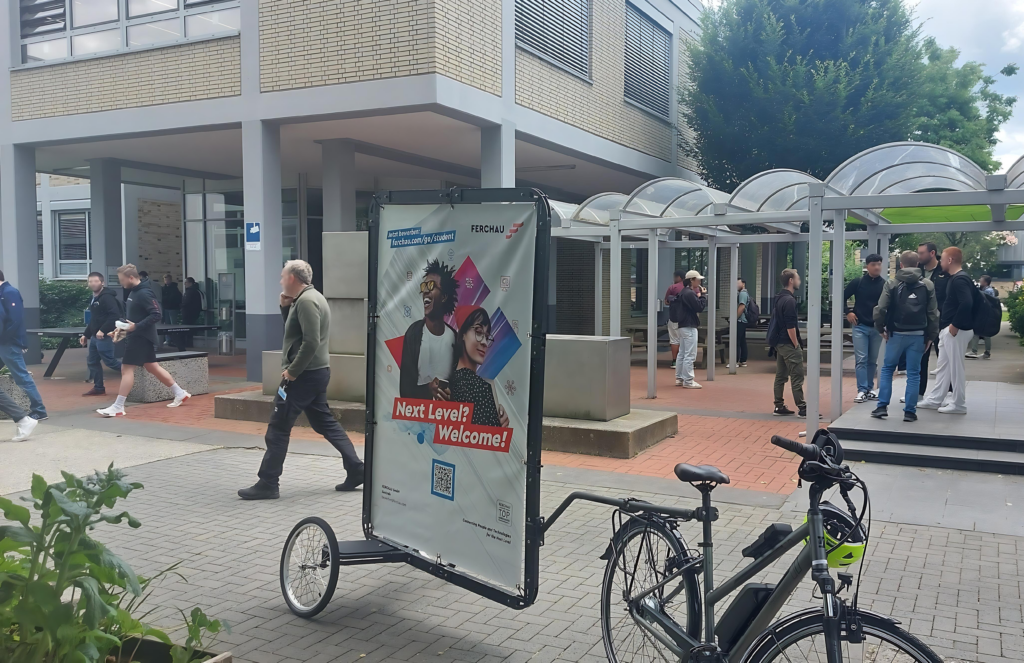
[
  {"x": 902, "y": 436},
  {"x": 942, "y": 457}
]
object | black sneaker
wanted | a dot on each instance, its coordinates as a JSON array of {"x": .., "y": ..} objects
[
  {"x": 909, "y": 416},
  {"x": 260, "y": 491},
  {"x": 782, "y": 411},
  {"x": 352, "y": 481},
  {"x": 987, "y": 355},
  {"x": 879, "y": 412},
  {"x": 803, "y": 413}
]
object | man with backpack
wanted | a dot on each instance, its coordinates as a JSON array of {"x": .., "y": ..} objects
[
  {"x": 956, "y": 324},
  {"x": 985, "y": 285},
  {"x": 747, "y": 314},
  {"x": 866, "y": 290},
  {"x": 907, "y": 316},
  {"x": 685, "y": 310},
  {"x": 785, "y": 342}
]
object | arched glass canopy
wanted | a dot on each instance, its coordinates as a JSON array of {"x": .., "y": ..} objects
[
  {"x": 906, "y": 167},
  {"x": 778, "y": 190},
  {"x": 560, "y": 210},
  {"x": 674, "y": 197},
  {"x": 1015, "y": 175},
  {"x": 597, "y": 209}
]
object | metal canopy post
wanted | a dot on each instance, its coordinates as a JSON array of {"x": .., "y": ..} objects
[
  {"x": 652, "y": 313},
  {"x": 615, "y": 279},
  {"x": 838, "y": 304},
  {"x": 598, "y": 286},
  {"x": 711, "y": 276},
  {"x": 734, "y": 295},
  {"x": 817, "y": 192}
]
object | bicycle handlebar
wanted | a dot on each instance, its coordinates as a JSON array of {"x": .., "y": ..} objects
[{"x": 805, "y": 451}]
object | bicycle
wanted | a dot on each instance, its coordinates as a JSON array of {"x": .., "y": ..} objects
[{"x": 651, "y": 599}]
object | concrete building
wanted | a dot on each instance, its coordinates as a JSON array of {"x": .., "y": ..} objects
[{"x": 187, "y": 117}]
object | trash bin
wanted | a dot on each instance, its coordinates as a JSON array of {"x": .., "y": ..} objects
[{"x": 226, "y": 343}]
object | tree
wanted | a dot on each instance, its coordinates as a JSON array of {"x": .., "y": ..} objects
[
  {"x": 799, "y": 84},
  {"x": 958, "y": 108},
  {"x": 980, "y": 249}
]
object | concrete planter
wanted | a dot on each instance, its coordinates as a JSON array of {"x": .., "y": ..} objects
[
  {"x": 154, "y": 651},
  {"x": 14, "y": 391}
]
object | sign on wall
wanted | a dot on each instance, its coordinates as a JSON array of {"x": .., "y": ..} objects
[
  {"x": 252, "y": 235},
  {"x": 452, "y": 383}
]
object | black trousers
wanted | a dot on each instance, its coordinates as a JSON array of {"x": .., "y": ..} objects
[
  {"x": 308, "y": 393},
  {"x": 741, "y": 342}
]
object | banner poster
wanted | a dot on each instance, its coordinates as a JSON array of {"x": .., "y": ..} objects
[{"x": 454, "y": 305}]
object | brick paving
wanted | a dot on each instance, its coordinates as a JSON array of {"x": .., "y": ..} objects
[{"x": 960, "y": 591}]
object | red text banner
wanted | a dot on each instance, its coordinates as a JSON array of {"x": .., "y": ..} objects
[{"x": 453, "y": 424}]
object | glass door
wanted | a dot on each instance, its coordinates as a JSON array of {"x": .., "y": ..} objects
[{"x": 225, "y": 262}]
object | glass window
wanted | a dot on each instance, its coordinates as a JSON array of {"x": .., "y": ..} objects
[
  {"x": 39, "y": 234},
  {"x": 157, "y": 32},
  {"x": 209, "y": 23},
  {"x": 72, "y": 244},
  {"x": 40, "y": 51},
  {"x": 558, "y": 30},
  {"x": 96, "y": 42},
  {"x": 193, "y": 205},
  {"x": 227, "y": 205},
  {"x": 648, "y": 63},
  {"x": 91, "y": 12},
  {"x": 42, "y": 16},
  {"x": 144, "y": 7}
]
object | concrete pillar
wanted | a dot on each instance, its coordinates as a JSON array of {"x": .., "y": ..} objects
[
  {"x": 711, "y": 282},
  {"x": 105, "y": 217},
  {"x": 339, "y": 166},
  {"x": 652, "y": 312},
  {"x": 498, "y": 156},
  {"x": 734, "y": 304},
  {"x": 261, "y": 182},
  {"x": 18, "y": 233}
]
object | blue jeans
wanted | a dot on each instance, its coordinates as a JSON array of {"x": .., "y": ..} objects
[
  {"x": 101, "y": 349},
  {"x": 898, "y": 343},
  {"x": 866, "y": 342},
  {"x": 14, "y": 359}
]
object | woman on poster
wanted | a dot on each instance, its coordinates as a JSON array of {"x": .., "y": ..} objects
[{"x": 471, "y": 344}]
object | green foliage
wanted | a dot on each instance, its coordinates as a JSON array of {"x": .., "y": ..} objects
[
  {"x": 806, "y": 84},
  {"x": 1015, "y": 312},
  {"x": 62, "y": 304},
  {"x": 65, "y": 597},
  {"x": 981, "y": 250}
]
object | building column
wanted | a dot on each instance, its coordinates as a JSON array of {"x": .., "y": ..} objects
[
  {"x": 498, "y": 156},
  {"x": 18, "y": 233},
  {"x": 105, "y": 217},
  {"x": 261, "y": 183},
  {"x": 339, "y": 167}
]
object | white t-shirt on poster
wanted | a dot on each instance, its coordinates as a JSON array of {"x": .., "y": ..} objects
[{"x": 436, "y": 355}]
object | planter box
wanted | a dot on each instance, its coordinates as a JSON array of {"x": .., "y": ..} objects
[
  {"x": 14, "y": 391},
  {"x": 154, "y": 651},
  {"x": 189, "y": 369}
]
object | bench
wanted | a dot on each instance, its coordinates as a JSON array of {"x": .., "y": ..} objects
[{"x": 191, "y": 370}]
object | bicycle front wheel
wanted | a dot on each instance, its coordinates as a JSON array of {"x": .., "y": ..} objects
[{"x": 803, "y": 641}]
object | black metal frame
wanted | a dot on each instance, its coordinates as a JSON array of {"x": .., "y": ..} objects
[{"x": 387, "y": 551}]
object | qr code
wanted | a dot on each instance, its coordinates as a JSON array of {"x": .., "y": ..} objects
[{"x": 443, "y": 482}]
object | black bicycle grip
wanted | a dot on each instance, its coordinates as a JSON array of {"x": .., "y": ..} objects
[{"x": 805, "y": 451}]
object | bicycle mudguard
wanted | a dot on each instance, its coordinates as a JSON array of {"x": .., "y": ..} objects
[
  {"x": 802, "y": 614},
  {"x": 641, "y": 518}
]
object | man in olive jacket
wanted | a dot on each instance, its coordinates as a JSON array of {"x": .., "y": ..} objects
[{"x": 306, "y": 372}]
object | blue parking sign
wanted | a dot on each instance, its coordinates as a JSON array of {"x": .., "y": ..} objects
[{"x": 252, "y": 236}]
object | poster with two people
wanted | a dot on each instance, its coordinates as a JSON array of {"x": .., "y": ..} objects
[{"x": 455, "y": 288}]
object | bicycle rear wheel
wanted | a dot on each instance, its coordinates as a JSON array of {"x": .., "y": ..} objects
[
  {"x": 802, "y": 641},
  {"x": 643, "y": 554}
]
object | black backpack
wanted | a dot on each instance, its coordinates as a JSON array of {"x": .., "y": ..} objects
[
  {"x": 987, "y": 312},
  {"x": 675, "y": 308},
  {"x": 909, "y": 309},
  {"x": 752, "y": 312}
]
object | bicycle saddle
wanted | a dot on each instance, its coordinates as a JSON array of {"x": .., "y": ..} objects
[{"x": 700, "y": 474}]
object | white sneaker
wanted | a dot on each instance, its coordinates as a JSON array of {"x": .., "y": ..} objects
[
  {"x": 743, "y": 364},
  {"x": 861, "y": 397},
  {"x": 903, "y": 399},
  {"x": 971, "y": 355},
  {"x": 691, "y": 385},
  {"x": 25, "y": 428},
  {"x": 872, "y": 395},
  {"x": 898, "y": 372},
  {"x": 934, "y": 371},
  {"x": 927, "y": 405},
  {"x": 112, "y": 411},
  {"x": 178, "y": 400},
  {"x": 951, "y": 409},
  {"x": 679, "y": 383}
]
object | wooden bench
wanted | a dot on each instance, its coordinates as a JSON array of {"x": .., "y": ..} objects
[{"x": 191, "y": 370}]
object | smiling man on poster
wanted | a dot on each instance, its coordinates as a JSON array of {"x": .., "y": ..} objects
[{"x": 429, "y": 343}]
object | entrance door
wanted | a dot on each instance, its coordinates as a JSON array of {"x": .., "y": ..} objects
[{"x": 225, "y": 255}]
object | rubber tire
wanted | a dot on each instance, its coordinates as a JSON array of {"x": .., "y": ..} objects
[
  {"x": 332, "y": 581},
  {"x": 812, "y": 624},
  {"x": 692, "y": 598}
]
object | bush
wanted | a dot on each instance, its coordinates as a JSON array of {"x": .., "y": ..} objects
[
  {"x": 62, "y": 304},
  {"x": 1015, "y": 307}
]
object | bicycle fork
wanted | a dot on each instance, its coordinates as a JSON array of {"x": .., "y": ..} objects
[{"x": 820, "y": 575}]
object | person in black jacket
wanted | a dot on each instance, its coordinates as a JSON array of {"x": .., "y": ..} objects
[
  {"x": 956, "y": 325},
  {"x": 139, "y": 331},
  {"x": 104, "y": 311},
  {"x": 170, "y": 303},
  {"x": 865, "y": 289},
  {"x": 785, "y": 338},
  {"x": 191, "y": 303},
  {"x": 691, "y": 301},
  {"x": 428, "y": 351}
]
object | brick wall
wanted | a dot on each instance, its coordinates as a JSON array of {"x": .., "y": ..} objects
[
  {"x": 574, "y": 289},
  {"x": 64, "y": 180},
  {"x": 185, "y": 72},
  {"x": 160, "y": 239},
  {"x": 305, "y": 43},
  {"x": 597, "y": 107}
]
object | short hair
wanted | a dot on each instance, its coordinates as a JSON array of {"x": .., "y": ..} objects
[
  {"x": 909, "y": 259},
  {"x": 955, "y": 254},
  {"x": 143, "y": 274},
  {"x": 97, "y": 275},
  {"x": 189, "y": 279},
  {"x": 2, "y": 276},
  {"x": 929, "y": 247},
  {"x": 787, "y": 276},
  {"x": 873, "y": 257},
  {"x": 168, "y": 276},
  {"x": 743, "y": 281},
  {"x": 986, "y": 279},
  {"x": 129, "y": 271},
  {"x": 301, "y": 270},
  {"x": 449, "y": 286},
  {"x": 681, "y": 273}
]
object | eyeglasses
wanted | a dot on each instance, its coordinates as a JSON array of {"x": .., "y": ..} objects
[
  {"x": 483, "y": 337},
  {"x": 428, "y": 286}
]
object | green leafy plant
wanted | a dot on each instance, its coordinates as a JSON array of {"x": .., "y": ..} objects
[
  {"x": 1015, "y": 308},
  {"x": 62, "y": 304},
  {"x": 64, "y": 596}
]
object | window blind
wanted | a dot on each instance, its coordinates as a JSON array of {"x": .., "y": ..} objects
[
  {"x": 557, "y": 29},
  {"x": 648, "y": 63}
]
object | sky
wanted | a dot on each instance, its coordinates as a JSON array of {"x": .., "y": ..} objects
[{"x": 986, "y": 31}]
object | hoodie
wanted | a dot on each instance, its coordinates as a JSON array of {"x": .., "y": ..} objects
[
  {"x": 911, "y": 277},
  {"x": 104, "y": 311},
  {"x": 142, "y": 309},
  {"x": 12, "y": 317}
]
